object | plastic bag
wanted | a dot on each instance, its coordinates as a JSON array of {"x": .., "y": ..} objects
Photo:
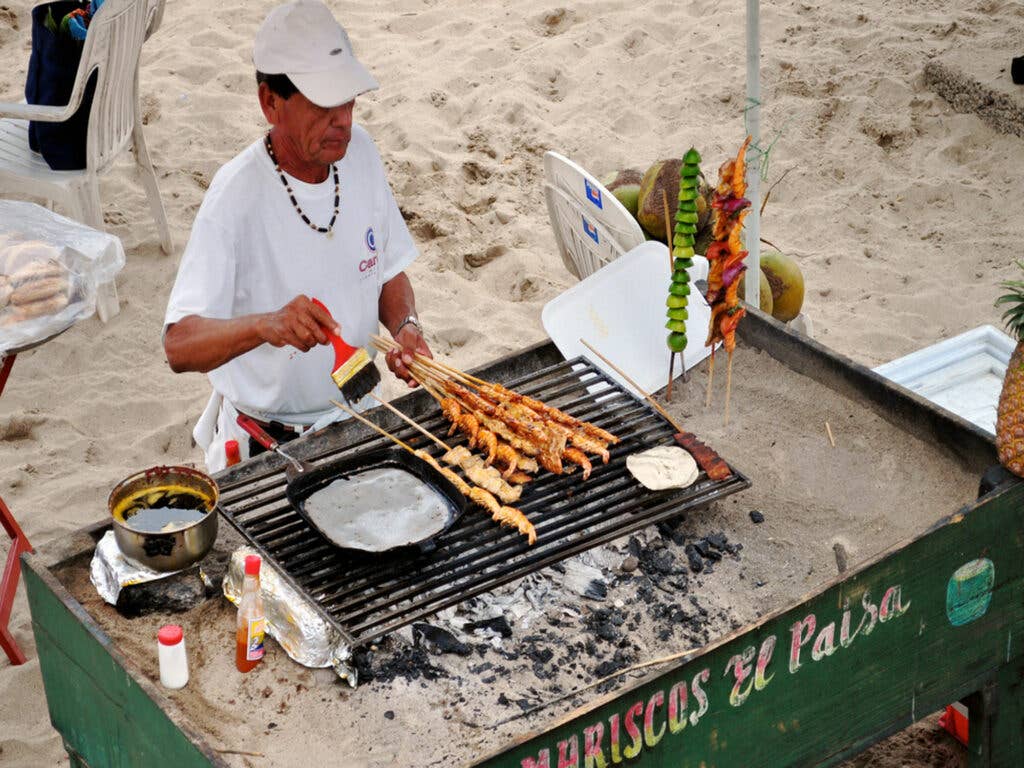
[{"x": 50, "y": 270}]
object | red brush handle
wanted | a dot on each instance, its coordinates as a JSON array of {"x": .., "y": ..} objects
[
  {"x": 342, "y": 351},
  {"x": 257, "y": 432}
]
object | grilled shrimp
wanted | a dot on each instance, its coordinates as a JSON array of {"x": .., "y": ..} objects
[
  {"x": 506, "y": 454},
  {"x": 487, "y": 440},
  {"x": 576, "y": 456}
]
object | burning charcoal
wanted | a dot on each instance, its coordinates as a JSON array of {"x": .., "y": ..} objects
[
  {"x": 438, "y": 640},
  {"x": 606, "y": 668},
  {"x": 658, "y": 561},
  {"x": 756, "y": 516},
  {"x": 481, "y": 668},
  {"x": 407, "y": 663},
  {"x": 596, "y": 590},
  {"x": 664, "y": 635},
  {"x": 696, "y": 564},
  {"x": 503, "y": 700},
  {"x": 634, "y": 546},
  {"x": 389, "y": 715},
  {"x": 489, "y": 679},
  {"x": 719, "y": 541},
  {"x": 497, "y": 624},
  {"x": 673, "y": 529},
  {"x": 704, "y": 549}
]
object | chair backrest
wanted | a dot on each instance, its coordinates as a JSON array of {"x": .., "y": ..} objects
[
  {"x": 112, "y": 48},
  {"x": 154, "y": 16},
  {"x": 591, "y": 226}
]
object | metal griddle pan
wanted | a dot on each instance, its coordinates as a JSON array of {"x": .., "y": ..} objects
[{"x": 301, "y": 486}]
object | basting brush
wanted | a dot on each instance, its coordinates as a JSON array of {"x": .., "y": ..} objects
[{"x": 354, "y": 371}]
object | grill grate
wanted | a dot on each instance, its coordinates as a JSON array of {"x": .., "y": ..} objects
[{"x": 365, "y": 596}]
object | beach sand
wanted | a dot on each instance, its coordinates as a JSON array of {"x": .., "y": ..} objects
[{"x": 903, "y": 214}]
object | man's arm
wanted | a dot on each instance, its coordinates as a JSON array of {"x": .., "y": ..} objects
[
  {"x": 397, "y": 302},
  {"x": 201, "y": 344}
]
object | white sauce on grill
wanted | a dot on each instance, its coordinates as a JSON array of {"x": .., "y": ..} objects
[{"x": 377, "y": 510}]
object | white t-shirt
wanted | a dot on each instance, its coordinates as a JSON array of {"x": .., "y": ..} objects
[{"x": 250, "y": 252}]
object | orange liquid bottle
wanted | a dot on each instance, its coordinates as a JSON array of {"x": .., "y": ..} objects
[{"x": 250, "y": 627}]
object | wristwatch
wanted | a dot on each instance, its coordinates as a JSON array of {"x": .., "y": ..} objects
[{"x": 406, "y": 321}]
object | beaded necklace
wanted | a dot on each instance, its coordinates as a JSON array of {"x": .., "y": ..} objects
[{"x": 329, "y": 229}]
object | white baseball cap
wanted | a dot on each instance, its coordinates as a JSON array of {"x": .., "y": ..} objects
[{"x": 304, "y": 41}]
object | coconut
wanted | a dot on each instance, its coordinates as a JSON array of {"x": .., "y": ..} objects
[
  {"x": 662, "y": 177},
  {"x": 767, "y": 302},
  {"x": 787, "y": 284},
  {"x": 625, "y": 185}
]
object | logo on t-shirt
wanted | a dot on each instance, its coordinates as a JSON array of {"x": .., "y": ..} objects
[{"x": 371, "y": 241}]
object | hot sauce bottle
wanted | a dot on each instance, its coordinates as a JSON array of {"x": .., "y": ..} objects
[{"x": 251, "y": 624}]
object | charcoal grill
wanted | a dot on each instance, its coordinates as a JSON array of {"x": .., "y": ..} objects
[{"x": 365, "y": 597}]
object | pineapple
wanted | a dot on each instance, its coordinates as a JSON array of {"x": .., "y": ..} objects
[{"x": 1010, "y": 415}]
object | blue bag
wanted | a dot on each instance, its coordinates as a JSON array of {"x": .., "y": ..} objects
[{"x": 51, "y": 76}]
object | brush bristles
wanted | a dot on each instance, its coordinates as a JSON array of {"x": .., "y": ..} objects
[{"x": 357, "y": 377}]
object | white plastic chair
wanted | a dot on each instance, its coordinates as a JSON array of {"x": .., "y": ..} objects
[
  {"x": 591, "y": 226},
  {"x": 112, "y": 46}
]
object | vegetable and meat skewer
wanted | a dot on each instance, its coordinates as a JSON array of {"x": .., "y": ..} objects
[{"x": 725, "y": 263}]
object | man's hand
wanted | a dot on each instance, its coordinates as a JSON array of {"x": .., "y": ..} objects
[
  {"x": 300, "y": 323},
  {"x": 413, "y": 343}
]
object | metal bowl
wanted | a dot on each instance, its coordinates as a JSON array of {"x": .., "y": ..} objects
[{"x": 174, "y": 550}]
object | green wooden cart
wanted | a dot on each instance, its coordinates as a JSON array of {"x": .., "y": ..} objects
[{"x": 936, "y": 620}]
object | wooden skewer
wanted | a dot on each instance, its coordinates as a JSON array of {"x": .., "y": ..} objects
[
  {"x": 671, "y": 369},
  {"x": 654, "y": 403},
  {"x": 831, "y": 439},
  {"x": 711, "y": 377},
  {"x": 412, "y": 423},
  {"x": 386, "y": 345},
  {"x": 728, "y": 388},
  {"x": 370, "y": 424}
]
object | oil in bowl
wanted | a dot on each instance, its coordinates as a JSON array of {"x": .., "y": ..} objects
[
  {"x": 163, "y": 519},
  {"x": 162, "y": 510}
]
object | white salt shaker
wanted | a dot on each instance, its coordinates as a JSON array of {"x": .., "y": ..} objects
[{"x": 173, "y": 664}]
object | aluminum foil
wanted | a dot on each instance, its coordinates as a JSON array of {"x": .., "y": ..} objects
[
  {"x": 292, "y": 621},
  {"x": 111, "y": 571}
]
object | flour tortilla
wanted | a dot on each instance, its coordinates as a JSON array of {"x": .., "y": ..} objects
[
  {"x": 378, "y": 510},
  {"x": 662, "y": 467}
]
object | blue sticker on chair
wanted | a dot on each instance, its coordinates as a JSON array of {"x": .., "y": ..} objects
[
  {"x": 591, "y": 230},
  {"x": 593, "y": 194}
]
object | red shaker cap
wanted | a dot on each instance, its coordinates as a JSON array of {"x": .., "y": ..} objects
[
  {"x": 231, "y": 452},
  {"x": 252, "y": 565},
  {"x": 169, "y": 634}
]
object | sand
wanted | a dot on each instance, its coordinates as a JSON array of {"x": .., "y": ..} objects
[{"x": 903, "y": 214}]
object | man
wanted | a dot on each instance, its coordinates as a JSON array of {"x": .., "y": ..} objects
[{"x": 305, "y": 212}]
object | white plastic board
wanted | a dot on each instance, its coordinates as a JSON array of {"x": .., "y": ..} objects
[
  {"x": 963, "y": 374},
  {"x": 620, "y": 310}
]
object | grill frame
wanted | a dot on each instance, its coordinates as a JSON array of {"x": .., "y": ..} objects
[{"x": 475, "y": 555}]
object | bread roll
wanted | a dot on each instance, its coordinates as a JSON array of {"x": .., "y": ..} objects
[
  {"x": 37, "y": 290},
  {"x": 5, "y": 291},
  {"x": 19, "y": 255},
  {"x": 48, "y": 306},
  {"x": 36, "y": 271}
]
